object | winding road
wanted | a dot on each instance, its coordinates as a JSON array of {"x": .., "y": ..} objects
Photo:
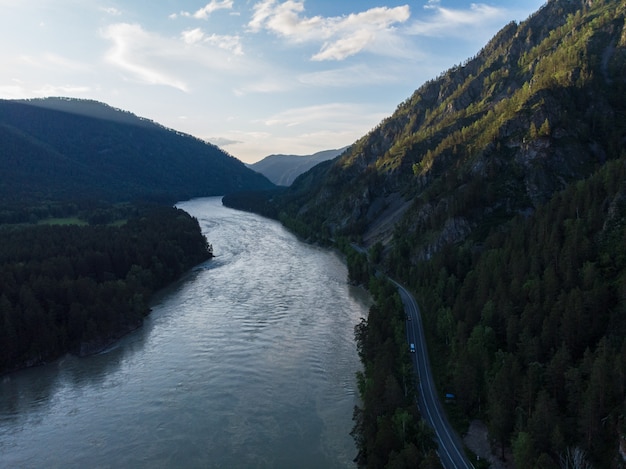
[{"x": 450, "y": 445}]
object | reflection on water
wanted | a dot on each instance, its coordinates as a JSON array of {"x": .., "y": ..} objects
[{"x": 248, "y": 361}]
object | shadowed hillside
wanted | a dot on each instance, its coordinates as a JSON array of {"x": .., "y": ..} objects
[
  {"x": 540, "y": 106},
  {"x": 62, "y": 149}
]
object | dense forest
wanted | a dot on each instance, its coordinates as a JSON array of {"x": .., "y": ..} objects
[
  {"x": 529, "y": 328},
  {"x": 388, "y": 428},
  {"x": 76, "y": 288}
]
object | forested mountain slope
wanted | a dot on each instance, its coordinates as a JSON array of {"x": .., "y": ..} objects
[
  {"x": 529, "y": 328},
  {"x": 497, "y": 193},
  {"x": 68, "y": 149},
  {"x": 543, "y": 104}
]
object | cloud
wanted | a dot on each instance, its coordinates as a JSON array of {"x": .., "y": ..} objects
[
  {"x": 271, "y": 84},
  {"x": 206, "y": 11},
  {"x": 225, "y": 42},
  {"x": 284, "y": 19},
  {"x": 150, "y": 58},
  {"x": 62, "y": 90},
  {"x": 341, "y": 36},
  {"x": 193, "y": 36},
  {"x": 111, "y": 11},
  {"x": 355, "y": 75},
  {"x": 138, "y": 52},
  {"x": 455, "y": 22},
  {"x": 320, "y": 115},
  {"x": 222, "y": 141},
  {"x": 20, "y": 90},
  {"x": 53, "y": 62}
]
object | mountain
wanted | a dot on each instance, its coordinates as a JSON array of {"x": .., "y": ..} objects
[
  {"x": 283, "y": 169},
  {"x": 540, "y": 106},
  {"x": 69, "y": 149},
  {"x": 497, "y": 193}
]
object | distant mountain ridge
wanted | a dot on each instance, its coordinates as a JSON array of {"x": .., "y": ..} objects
[
  {"x": 282, "y": 170},
  {"x": 62, "y": 149}
]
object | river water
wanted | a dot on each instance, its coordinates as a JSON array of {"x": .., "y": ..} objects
[{"x": 247, "y": 362}]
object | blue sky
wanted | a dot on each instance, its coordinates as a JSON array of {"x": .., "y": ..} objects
[{"x": 255, "y": 77}]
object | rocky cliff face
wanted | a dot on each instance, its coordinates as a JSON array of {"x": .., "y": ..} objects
[{"x": 543, "y": 104}]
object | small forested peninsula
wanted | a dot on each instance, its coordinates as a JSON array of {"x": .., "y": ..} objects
[
  {"x": 76, "y": 288},
  {"x": 93, "y": 168}
]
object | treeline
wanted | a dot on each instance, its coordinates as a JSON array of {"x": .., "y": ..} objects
[
  {"x": 254, "y": 201},
  {"x": 88, "y": 211},
  {"x": 76, "y": 288},
  {"x": 529, "y": 329},
  {"x": 388, "y": 429}
]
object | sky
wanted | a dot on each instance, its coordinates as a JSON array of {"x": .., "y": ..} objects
[{"x": 255, "y": 77}]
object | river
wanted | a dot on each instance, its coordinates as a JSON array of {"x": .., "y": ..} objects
[{"x": 248, "y": 361}]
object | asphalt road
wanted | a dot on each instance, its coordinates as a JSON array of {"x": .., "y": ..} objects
[{"x": 450, "y": 445}]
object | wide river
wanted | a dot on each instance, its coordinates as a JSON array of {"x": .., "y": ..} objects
[{"x": 247, "y": 362}]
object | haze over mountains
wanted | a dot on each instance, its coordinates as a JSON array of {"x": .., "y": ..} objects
[
  {"x": 282, "y": 170},
  {"x": 68, "y": 149}
]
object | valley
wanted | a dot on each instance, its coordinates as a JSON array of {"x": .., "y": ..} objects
[{"x": 495, "y": 194}]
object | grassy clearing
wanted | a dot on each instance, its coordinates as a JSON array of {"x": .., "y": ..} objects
[{"x": 62, "y": 221}]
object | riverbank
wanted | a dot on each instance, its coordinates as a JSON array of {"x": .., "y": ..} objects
[
  {"x": 75, "y": 289},
  {"x": 249, "y": 361}
]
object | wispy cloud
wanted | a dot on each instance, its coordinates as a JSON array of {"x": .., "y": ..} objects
[
  {"x": 111, "y": 11},
  {"x": 307, "y": 129},
  {"x": 456, "y": 22},
  {"x": 20, "y": 90},
  {"x": 268, "y": 84},
  {"x": 226, "y": 42},
  {"x": 354, "y": 75},
  {"x": 151, "y": 58},
  {"x": 323, "y": 113},
  {"x": 51, "y": 62},
  {"x": 206, "y": 11},
  {"x": 222, "y": 141},
  {"x": 137, "y": 51},
  {"x": 341, "y": 36},
  {"x": 432, "y": 4},
  {"x": 62, "y": 90}
]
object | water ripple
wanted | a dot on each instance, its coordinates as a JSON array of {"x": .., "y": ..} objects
[{"x": 247, "y": 362}]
